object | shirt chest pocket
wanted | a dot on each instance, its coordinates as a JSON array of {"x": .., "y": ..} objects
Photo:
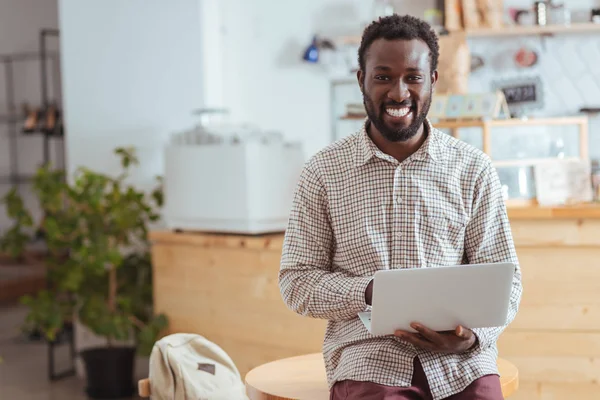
[{"x": 440, "y": 240}]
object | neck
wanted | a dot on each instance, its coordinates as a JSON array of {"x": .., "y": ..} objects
[{"x": 399, "y": 150}]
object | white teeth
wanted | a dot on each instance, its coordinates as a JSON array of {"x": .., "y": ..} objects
[{"x": 398, "y": 112}]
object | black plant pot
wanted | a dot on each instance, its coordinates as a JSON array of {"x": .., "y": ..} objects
[{"x": 109, "y": 372}]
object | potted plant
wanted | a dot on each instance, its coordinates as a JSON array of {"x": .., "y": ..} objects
[
  {"x": 99, "y": 269},
  {"x": 13, "y": 242}
]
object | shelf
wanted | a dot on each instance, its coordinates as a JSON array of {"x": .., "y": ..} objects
[
  {"x": 8, "y": 180},
  {"x": 5, "y": 119},
  {"x": 529, "y": 162},
  {"x": 40, "y": 133},
  {"x": 30, "y": 56},
  {"x": 487, "y": 125},
  {"x": 532, "y": 30},
  {"x": 469, "y": 123},
  {"x": 353, "y": 117},
  {"x": 540, "y": 121}
]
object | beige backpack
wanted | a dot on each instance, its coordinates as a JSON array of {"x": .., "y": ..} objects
[{"x": 185, "y": 366}]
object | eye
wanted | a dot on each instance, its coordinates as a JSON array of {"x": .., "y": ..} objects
[{"x": 382, "y": 77}]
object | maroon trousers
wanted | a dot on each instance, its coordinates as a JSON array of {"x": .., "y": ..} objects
[{"x": 485, "y": 388}]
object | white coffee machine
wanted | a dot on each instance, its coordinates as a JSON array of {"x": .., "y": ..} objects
[{"x": 230, "y": 179}]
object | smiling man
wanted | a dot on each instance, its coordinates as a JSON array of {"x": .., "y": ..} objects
[{"x": 396, "y": 194}]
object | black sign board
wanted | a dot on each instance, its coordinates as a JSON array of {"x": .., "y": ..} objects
[{"x": 520, "y": 93}]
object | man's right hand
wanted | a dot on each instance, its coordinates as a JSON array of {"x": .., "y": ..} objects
[{"x": 369, "y": 293}]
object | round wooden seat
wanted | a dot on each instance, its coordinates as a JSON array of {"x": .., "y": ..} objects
[{"x": 303, "y": 377}]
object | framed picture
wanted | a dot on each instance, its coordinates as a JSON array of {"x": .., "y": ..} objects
[
  {"x": 476, "y": 105},
  {"x": 455, "y": 106},
  {"x": 522, "y": 94},
  {"x": 438, "y": 106}
]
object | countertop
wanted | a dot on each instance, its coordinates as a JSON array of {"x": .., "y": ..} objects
[
  {"x": 579, "y": 211},
  {"x": 275, "y": 241},
  {"x": 254, "y": 242}
]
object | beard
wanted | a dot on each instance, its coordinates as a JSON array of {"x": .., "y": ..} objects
[{"x": 396, "y": 134}]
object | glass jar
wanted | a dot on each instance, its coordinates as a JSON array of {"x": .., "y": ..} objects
[{"x": 560, "y": 15}]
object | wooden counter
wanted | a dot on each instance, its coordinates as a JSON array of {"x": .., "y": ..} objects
[
  {"x": 225, "y": 288},
  {"x": 583, "y": 211},
  {"x": 555, "y": 338}
]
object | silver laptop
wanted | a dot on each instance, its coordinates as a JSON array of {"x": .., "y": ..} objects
[{"x": 440, "y": 298}]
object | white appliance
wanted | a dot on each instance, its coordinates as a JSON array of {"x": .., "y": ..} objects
[{"x": 243, "y": 186}]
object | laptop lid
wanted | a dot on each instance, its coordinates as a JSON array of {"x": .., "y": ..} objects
[{"x": 440, "y": 298}]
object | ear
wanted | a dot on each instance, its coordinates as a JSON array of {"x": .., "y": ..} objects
[
  {"x": 360, "y": 76},
  {"x": 434, "y": 79}
]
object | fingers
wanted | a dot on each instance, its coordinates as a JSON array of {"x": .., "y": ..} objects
[
  {"x": 416, "y": 340},
  {"x": 427, "y": 333},
  {"x": 448, "y": 342},
  {"x": 463, "y": 333}
]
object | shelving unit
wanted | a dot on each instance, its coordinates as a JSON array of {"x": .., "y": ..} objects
[
  {"x": 12, "y": 119},
  {"x": 534, "y": 30},
  {"x": 487, "y": 126},
  {"x": 512, "y": 30},
  {"x": 333, "y": 85}
]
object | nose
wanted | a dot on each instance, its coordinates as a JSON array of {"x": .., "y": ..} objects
[{"x": 399, "y": 92}]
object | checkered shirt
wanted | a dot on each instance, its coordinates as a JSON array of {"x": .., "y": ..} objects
[{"x": 357, "y": 210}]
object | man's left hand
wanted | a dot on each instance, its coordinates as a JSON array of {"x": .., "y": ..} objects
[{"x": 457, "y": 341}]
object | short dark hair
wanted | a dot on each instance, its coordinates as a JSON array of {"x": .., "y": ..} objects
[{"x": 399, "y": 27}]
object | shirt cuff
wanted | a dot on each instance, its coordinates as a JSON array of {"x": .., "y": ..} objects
[
  {"x": 481, "y": 342},
  {"x": 357, "y": 294}
]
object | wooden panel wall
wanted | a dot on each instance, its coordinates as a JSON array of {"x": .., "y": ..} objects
[
  {"x": 228, "y": 292},
  {"x": 554, "y": 341},
  {"x": 555, "y": 338}
]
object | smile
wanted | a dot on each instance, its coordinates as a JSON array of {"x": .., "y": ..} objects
[{"x": 398, "y": 112}]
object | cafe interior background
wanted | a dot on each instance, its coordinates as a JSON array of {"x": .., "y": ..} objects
[{"x": 225, "y": 100}]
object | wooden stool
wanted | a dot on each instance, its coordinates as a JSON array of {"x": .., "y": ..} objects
[
  {"x": 144, "y": 388},
  {"x": 304, "y": 377}
]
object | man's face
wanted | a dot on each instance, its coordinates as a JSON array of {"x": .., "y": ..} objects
[{"x": 397, "y": 85}]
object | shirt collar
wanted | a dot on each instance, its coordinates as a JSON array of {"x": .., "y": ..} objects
[{"x": 432, "y": 147}]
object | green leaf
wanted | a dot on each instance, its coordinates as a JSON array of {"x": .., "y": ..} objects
[
  {"x": 73, "y": 279},
  {"x": 93, "y": 223},
  {"x": 15, "y": 239},
  {"x": 150, "y": 334},
  {"x": 127, "y": 156},
  {"x": 47, "y": 313}
]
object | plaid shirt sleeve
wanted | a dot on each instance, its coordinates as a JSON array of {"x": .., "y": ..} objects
[
  {"x": 307, "y": 281},
  {"x": 489, "y": 240}
]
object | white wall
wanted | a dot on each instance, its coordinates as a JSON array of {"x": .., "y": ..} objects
[
  {"x": 20, "y": 24},
  {"x": 132, "y": 74},
  {"x": 20, "y": 21},
  {"x": 266, "y": 82},
  {"x": 239, "y": 54}
]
